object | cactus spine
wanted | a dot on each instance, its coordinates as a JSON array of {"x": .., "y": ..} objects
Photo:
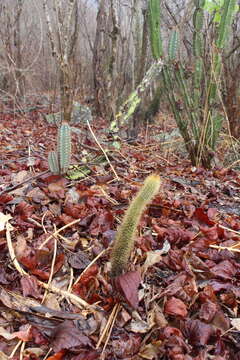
[
  {"x": 125, "y": 236},
  {"x": 59, "y": 160}
]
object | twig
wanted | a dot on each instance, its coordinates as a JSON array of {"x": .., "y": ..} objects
[
  {"x": 228, "y": 229},
  {"x": 109, "y": 325},
  {"x": 52, "y": 268},
  {"x": 57, "y": 232},
  {"x": 10, "y": 188},
  {"x": 230, "y": 248},
  {"x": 104, "y": 152},
  {"x": 76, "y": 300},
  {"x": 118, "y": 307},
  {"x": 89, "y": 265},
  {"x": 15, "y": 349}
]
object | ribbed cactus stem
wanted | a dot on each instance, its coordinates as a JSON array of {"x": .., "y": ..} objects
[
  {"x": 125, "y": 235},
  {"x": 64, "y": 147},
  {"x": 154, "y": 26},
  {"x": 53, "y": 162},
  {"x": 226, "y": 19},
  {"x": 173, "y": 45}
]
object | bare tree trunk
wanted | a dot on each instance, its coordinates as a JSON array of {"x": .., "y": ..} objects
[
  {"x": 17, "y": 43},
  {"x": 99, "y": 53},
  {"x": 12, "y": 46},
  {"x": 104, "y": 60},
  {"x": 62, "y": 42}
]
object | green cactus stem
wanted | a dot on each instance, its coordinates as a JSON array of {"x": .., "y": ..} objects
[
  {"x": 173, "y": 45},
  {"x": 53, "y": 162},
  {"x": 226, "y": 19},
  {"x": 125, "y": 236},
  {"x": 64, "y": 147},
  {"x": 154, "y": 26}
]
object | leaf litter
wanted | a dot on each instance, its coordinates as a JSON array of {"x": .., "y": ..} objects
[{"x": 179, "y": 298}]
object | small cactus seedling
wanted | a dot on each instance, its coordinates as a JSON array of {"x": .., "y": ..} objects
[{"x": 125, "y": 235}]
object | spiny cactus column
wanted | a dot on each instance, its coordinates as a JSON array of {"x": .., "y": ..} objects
[
  {"x": 59, "y": 161},
  {"x": 64, "y": 147},
  {"x": 53, "y": 162},
  {"x": 125, "y": 236}
]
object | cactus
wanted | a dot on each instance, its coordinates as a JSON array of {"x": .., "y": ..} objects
[
  {"x": 64, "y": 147},
  {"x": 154, "y": 24},
  {"x": 53, "y": 162},
  {"x": 59, "y": 160},
  {"x": 226, "y": 19},
  {"x": 173, "y": 45},
  {"x": 198, "y": 17},
  {"x": 192, "y": 94},
  {"x": 125, "y": 235}
]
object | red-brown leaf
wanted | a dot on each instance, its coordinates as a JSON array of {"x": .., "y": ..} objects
[
  {"x": 127, "y": 284},
  {"x": 68, "y": 336},
  {"x": 175, "y": 307}
]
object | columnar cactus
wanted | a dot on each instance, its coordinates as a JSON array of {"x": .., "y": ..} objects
[
  {"x": 125, "y": 236},
  {"x": 192, "y": 94},
  {"x": 59, "y": 160}
]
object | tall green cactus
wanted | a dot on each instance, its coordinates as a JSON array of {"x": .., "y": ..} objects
[
  {"x": 154, "y": 24},
  {"x": 226, "y": 19},
  {"x": 59, "y": 160},
  {"x": 192, "y": 94},
  {"x": 125, "y": 236}
]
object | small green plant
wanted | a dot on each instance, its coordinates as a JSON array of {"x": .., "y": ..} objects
[
  {"x": 125, "y": 235},
  {"x": 59, "y": 161}
]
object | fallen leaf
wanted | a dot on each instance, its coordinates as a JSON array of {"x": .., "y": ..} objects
[
  {"x": 207, "y": 311},
  {"x": 126, "y": 346},
  {"x": 30, "y": 287},
  {"x": 150, "y": 351},
  {"x": 175, "y": 307},
  {"x": 154, "y": 257},
  {"x": 24, "y": 334},
  {"x": 68, "y": 336},
  {"x": 138, "y": 326},
  {"x": 127, "y": 284},
  {"x": 197, "y": 332},
  {"x": 79, "y": 260},
  {"x": 225, "y": 270}
]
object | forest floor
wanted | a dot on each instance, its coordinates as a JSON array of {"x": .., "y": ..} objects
[{"x": 180, "y": 297}]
